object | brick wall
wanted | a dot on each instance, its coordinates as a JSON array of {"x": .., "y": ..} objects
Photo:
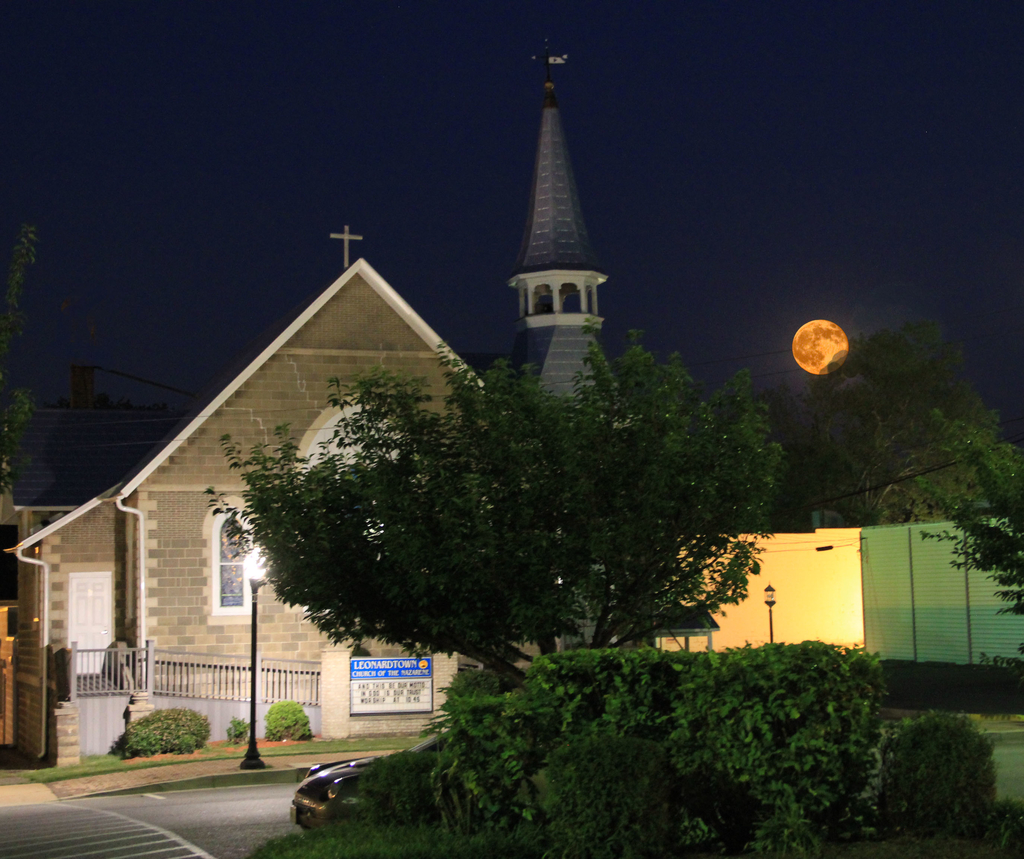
[{"x": 353, "y": 332}]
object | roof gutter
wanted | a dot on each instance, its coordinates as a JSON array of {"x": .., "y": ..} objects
[
  {"x": 44, "y": 617},
  {"x": 141, "y": 517}
]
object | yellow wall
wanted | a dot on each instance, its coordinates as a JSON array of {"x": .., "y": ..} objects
[{"x": 818, "y": 594}]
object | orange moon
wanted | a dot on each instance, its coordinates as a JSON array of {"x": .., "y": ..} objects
[{"x": 820, "y": 347}]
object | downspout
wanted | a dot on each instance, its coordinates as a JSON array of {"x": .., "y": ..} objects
[
  {"x": 44, "y": 617},
  {"x": 141, "y": 555}
]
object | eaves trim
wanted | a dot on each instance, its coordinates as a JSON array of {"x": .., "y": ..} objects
[{"x": 376, "y": 282}]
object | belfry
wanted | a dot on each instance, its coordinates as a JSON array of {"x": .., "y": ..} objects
[{"x": 557, "y": 272}]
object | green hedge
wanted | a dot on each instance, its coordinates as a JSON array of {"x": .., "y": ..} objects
[
  {"x": 761, "y": 740},
  {"x": 492, "y": 750},
  {"x": 610, "y": 798},
  {"x": 397, "y": 791}
]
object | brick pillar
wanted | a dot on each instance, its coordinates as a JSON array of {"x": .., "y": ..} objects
[
  {"x": 334, "y": 693},
  {"x": 64, "y": 747},
  {"x": 445, "y": 668}
]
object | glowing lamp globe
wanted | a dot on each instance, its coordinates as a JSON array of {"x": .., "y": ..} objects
[
  {"x": 255, "y": 566},
  {"x": 820, "y": 347}
]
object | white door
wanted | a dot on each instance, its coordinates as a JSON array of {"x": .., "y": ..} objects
[{"x": 90, "y": 614}]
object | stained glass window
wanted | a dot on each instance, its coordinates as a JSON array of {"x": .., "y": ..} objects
[{"x": 232, "y": 576}]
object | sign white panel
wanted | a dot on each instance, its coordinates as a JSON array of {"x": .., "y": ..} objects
[{"x": 391, "y": 685}]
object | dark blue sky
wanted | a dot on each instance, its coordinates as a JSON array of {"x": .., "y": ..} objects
[{"x": 743, "y": 168}]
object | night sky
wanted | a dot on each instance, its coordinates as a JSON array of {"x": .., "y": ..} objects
[{"x": 743, "y": 168}]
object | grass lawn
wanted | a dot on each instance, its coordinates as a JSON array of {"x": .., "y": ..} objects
[
  {"x": 102, "y": 764},
  {"x": 353, "y": 842}
]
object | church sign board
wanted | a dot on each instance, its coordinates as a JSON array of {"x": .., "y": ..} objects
[{"x": 402, "y": 684}]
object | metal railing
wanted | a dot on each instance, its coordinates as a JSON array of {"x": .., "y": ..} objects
[
  {"x": 202, "y": 675},
  {"x": 110, "y": 671},
  {"x": 291, "y": 680},
  {"x": 124, "y": 670}
]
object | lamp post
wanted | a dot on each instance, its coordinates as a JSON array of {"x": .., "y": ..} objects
[
  {"x": 254, "y": 571},
  {"x": 769, "y": 600}
]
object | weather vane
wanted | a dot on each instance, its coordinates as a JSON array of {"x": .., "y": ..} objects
[{"x": 550, "y": 61}]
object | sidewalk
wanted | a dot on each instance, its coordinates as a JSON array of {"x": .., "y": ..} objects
[{"x": 184, "y": 776}]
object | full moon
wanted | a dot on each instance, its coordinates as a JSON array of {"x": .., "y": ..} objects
[{"x": 820, "y": 347}]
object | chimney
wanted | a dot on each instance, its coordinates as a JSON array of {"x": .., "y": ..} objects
[{"x": 82, "y": 387}]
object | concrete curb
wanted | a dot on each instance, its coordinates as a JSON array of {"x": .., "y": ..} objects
[{"x": 234, "y": 779}]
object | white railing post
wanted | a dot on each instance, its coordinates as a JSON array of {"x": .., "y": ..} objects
[
  {"x": 72, "y": 673},
  {"x": 150, "y": 666}
]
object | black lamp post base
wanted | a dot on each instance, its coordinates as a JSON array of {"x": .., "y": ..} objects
[{"x": 252, "y": 763}]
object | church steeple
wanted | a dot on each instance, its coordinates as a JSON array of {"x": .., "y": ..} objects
[
  {"x": 557, "y": 272},
  {"x": 555, "y": 236}
]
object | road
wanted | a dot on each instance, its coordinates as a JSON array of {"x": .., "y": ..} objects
[{"x": 225, "y": 823}]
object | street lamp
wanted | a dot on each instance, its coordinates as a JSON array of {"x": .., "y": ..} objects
[
  {"x": 769, "y": 600},
  {"x": 254, "y": 571}
]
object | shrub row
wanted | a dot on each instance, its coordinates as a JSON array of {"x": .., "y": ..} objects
[
  {"x": 753, "y": 736},
  {"x": 182, "y": 731},
  {"x": 647, "y": 753}
]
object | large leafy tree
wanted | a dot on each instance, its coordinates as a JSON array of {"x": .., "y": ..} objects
[
  {"x": 856, "y": 441},
  {"x": 506, "y": 515},
  {"x": 16, "y": 410},
  {"x": 989, "y": 535}
]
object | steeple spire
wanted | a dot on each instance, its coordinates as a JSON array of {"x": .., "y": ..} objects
[
  {"x": 555, "y": 236},
  {"x": 556, "y": 261}
]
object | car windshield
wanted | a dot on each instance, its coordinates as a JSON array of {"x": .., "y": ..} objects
[{"x": 431, "y": 744}]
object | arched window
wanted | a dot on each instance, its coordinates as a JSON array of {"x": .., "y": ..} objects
[
  {"x": 231, "y": 591},
  {"x": 322, "y": 433}
]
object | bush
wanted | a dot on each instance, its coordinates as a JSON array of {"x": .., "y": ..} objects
[
  {"x": 757, "y": 736},
  {"x": 177, "y": 731},
  {"x": 483, "y": 778},
  {"x": 238, "y": 731},
  {"x": 286, "y": 720},
  {"x": 609, "y": 798},
  {"x": 1005, "y": 826},
  {"x": 476, "y": 682},
  {"x": 937, "y": 776},
  {"x": 397, "y": 791}
]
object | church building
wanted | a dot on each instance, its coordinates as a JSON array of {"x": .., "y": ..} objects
[{"x": 132, "y": 596}]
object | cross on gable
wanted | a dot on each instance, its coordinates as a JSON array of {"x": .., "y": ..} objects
[{"x": 346, "y": 237}]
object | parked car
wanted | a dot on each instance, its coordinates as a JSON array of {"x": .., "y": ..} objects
[{"x": 330, "y": 791}]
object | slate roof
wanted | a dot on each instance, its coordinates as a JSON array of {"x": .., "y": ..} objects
[
  {"x": 77, "y": 454},
  {"x": 556, "y": 351},
  {"x": 555, "y": 236}
]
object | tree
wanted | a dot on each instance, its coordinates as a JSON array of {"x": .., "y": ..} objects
[
  {"x": 510, "y": 515},
  {"x": 17, "y": 410},
  {"x": 989, "y": 535},
  {"x": 856, "y": 440}
]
